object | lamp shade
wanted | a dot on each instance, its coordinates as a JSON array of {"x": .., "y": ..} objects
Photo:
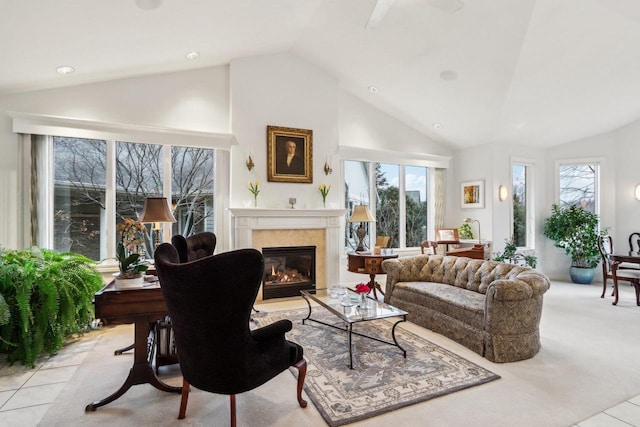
[
  {"x": 361, "y": 214},
  {"x": 156, "y": 209}
]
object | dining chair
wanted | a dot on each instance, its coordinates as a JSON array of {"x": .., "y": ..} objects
[
  {"x": 625, "y": 271},
  {"x": 383, "y": 241},
  {"x": 429, "y": 247},
  {"x": 634, "y": 244},
  {"x": 209, "y": 301}
]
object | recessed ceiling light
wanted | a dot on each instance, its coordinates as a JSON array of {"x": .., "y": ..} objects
[
  {"x": 449, "y": 75},
  {"x": 373, "y": 89},
  {"x": 65, "y": 69},
  {"x": 437, "y": 126},
  {"x": 193, "y": 55},
  {"x": 148, "y": 4}
]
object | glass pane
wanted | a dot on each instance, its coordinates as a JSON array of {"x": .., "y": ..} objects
[
  {"x": 356, "y": 186},
  {"x": 387, "y": 203},
  {"x": 79, "y": 195},
  {"x": 519, "y": 205},
  {"x": 578, "y": 186},
  {"x": 138, "y": 175},
  {"x": 192, "y": 190},
  {"x": 416, "y": 200}
]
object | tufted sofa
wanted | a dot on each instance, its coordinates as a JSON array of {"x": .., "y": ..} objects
[{"x": 490, "y": 307}]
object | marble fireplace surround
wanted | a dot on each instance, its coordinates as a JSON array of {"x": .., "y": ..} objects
[{"x": 258, "y": 228}]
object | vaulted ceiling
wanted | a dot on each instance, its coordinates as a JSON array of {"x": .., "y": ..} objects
[{"x": 464, "y": 72}]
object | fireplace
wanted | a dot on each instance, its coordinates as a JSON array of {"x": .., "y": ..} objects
[{"x": 288, "y": 270}]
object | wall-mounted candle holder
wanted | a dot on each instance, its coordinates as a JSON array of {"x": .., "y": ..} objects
[
  {"x": 250, "y": 163},
  {"x": 327, "y": 168}
]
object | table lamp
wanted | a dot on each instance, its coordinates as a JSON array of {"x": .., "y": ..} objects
[
  {"x": 470, "y": 221},
  {"x": 156, "y": 210},
  {"x": 361, "y": 214}
]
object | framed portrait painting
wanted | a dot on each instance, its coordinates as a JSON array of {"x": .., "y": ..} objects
[
  {"x": 289, "y": 154},
  {"x": 472, "y": 194}
]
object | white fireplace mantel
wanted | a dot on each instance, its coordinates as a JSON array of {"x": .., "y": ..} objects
[{"x": 246, "y": 220}]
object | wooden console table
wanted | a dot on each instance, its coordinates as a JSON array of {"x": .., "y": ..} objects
[
  {"x": 142, "y": 307},
  {"x": 368, "y": 263}
]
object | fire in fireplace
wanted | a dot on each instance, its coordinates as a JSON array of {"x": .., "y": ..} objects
[{"x": 288, "y": 270}]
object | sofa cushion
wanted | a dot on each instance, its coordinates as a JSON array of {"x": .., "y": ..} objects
[
  {"x": 471, "y": 274},
  {"x": 456, "y": 302}
]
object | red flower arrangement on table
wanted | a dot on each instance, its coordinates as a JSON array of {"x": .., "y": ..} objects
[{"x": 362, "y": 288}]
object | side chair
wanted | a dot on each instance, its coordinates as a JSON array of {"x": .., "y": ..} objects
[
  {"x": 634, "y": 244},
  {"x": 209, "y": 301},
  {"x": 625, "y": 271},
  {"x": 429, "y": 247}
]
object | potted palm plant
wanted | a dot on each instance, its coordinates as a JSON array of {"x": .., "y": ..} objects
[{"x": 576, "y": 231}]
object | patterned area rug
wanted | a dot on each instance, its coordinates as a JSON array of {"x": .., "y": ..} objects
[{"x": 382, "y": 380}]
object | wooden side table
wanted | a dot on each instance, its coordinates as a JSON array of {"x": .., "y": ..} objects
[{"x": 368, "y": 263}]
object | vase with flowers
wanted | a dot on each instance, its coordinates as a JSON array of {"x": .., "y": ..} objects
[
  {"x": 129, "y": 252},
  {"x": 324, "y": 191},
  {"x": 362, "y": 289},
  {"x": 253, "y": 188}
]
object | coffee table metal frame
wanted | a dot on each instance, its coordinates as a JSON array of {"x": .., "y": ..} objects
[{"x": 352, "y": 314}]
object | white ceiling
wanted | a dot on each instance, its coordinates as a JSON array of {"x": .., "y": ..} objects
[{"x": 530, "y": 72}]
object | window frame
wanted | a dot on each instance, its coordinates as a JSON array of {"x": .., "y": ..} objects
[
  {"x": 530, "y": 218},
  {"x": 32, "y": 126},
  {"x": 598, "y": 162}
]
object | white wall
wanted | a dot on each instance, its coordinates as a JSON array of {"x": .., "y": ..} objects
[
  {"x": 363, "y": 126},
  {"x": 281, "y": 90}
]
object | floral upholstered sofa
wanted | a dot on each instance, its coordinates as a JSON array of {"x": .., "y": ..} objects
[{"x": 490, "y": 307}]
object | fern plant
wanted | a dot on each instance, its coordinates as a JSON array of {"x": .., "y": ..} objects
[{"x": 49, "y": 296}]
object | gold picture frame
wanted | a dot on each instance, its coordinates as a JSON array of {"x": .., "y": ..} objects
[{"x": 289, "y": 155}]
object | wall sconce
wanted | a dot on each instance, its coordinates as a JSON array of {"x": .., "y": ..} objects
[
  {"x": 637, "y": 192},
  {"x": 502, "y": 193},
  {"x": 327, "y": 168},
  {"x": 250, "y": 163}
]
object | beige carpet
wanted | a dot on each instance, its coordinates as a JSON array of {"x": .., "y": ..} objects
[
  {"x": 382, "y": 380},
  {"x": 588, "y": 363}
]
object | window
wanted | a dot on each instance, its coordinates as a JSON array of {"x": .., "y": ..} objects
[
  {"x": 400, "y": 194},
  {"x": 388, "y": 203},
  {"x": 357, "y": 189},
  {"x": 522, "y": 203},
  {"x": 578, "y": 185},
  {"x": 84, "y": 196}
]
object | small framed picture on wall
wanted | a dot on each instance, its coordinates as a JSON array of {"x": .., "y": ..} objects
[{"x": 472, "y": 194}]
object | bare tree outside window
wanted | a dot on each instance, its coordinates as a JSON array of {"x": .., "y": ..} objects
[
  {"x": 192, "y": 189},
  {"x": 578, "y": 183},
  {"x": 80, "y": 189},
  {"x": 79, "y": 195}
]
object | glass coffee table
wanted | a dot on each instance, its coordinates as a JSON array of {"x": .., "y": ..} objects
[{"x": 345, "y": 307}]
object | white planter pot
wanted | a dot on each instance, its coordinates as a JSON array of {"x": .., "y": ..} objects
[{"x": 129, "y": 283}]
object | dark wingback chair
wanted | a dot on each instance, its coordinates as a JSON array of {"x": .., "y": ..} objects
[
  {"x": 217, "y": 350},
  {"x": 196, "y": 246}
]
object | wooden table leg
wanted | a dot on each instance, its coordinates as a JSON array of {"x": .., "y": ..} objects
[
  {"x": 141, "y": 371},
  {"x": 374, "y": 285}
]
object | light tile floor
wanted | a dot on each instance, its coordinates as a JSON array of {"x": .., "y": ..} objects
[{"x": 26, "y": 394}]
